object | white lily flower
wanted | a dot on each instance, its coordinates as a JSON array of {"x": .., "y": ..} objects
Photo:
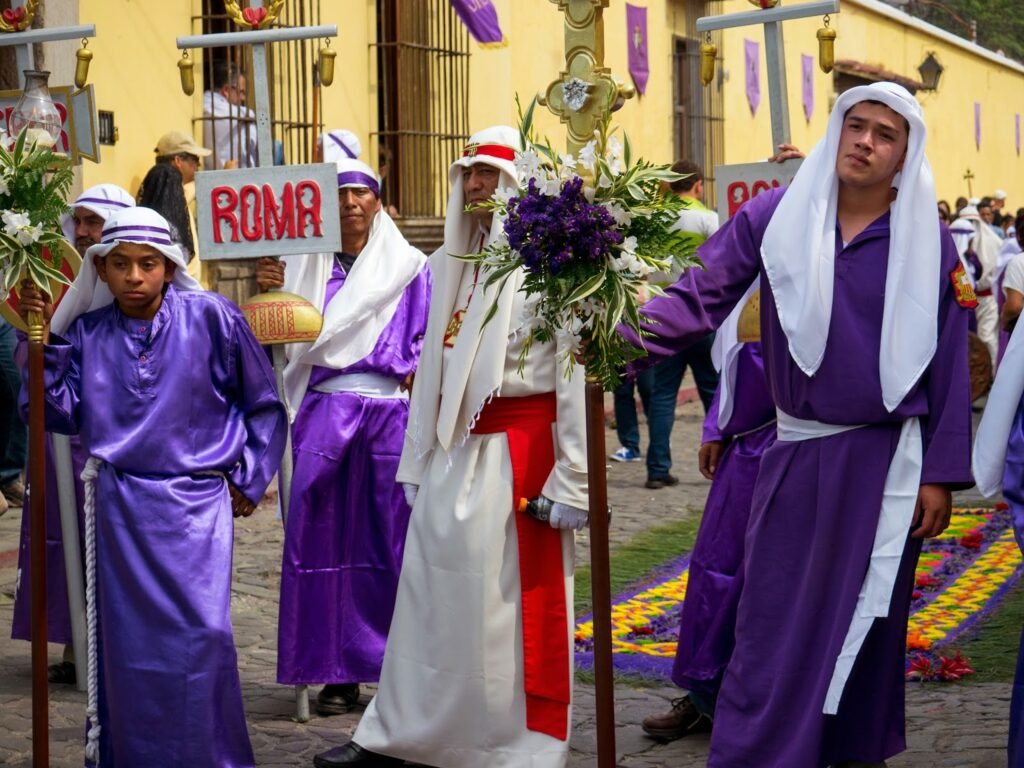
[
  {"x": 4, "y": 187},
  {"x": 504, "y": 194},
  {"x": 589, "y": 192},
  {"x": 629, "y": 245},
  {"x": 550, "y": 187},
  {"x": 527, "y": 165},
  {"x": 619, "y": 214},
  {"x": 614, "y": 147},
  {"x": 573, "y": 341},
  {"x": 13, "y": 221},
  {"x": 567, "y": 161},
  {"x": 29, "y": 235},
  {"x": 604, "y": 182},
  {"x": 588, "y": 155}
]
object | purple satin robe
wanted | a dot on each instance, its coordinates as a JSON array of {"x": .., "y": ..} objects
[
  {"x": 708, "y": 619},
  {"x": 816, "y": 503},
  {"x": 348, "y": 517},
  {"x": 1013, "y": 493},
  {"x": 172, "y": 407},
  {"x": 58, "y": 615}
]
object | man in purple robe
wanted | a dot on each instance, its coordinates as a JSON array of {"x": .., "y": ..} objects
[
  {"x": 863, "y": 330},
  {"x": 738, "y": 429},
  {"x": 83, "y": 226},
  {"x": 348, "y": 516},
  {"x": 175, "y": 402}
]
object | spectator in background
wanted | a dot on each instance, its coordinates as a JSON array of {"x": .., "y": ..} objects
[
  {"x": 665, "y": 377},
  {"x": 999, "y": 209},
  {"x": 961, "y": 203},
  {"x": 163, "y": 191},
  {"x": 180, "y": 150},
  {"x": 228, "y": 125}
]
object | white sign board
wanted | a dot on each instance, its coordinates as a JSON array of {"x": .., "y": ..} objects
[
  {"x": 283, "y": 209},
  {"x": 735, "y": 184}
]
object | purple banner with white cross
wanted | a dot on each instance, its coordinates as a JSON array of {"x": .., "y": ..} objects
[
  {"x": 481, "y": 19},
  {"x": 752, "y": 66},
  {"x": 636, "y": 43}
]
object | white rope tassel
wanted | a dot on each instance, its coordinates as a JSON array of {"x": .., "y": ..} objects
[{"x": 92, "y": 745}]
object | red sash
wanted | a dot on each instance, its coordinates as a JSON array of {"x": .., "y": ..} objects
[{"x": 526, "y": 422}]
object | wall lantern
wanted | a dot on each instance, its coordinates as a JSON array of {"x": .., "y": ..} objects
[{"x": 931, "y": 71}]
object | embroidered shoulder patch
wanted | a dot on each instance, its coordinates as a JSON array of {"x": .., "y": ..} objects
[{"x": 962, "y": 288}]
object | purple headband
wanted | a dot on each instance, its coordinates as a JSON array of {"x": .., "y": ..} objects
[
  {"x": 344, "y": 147},
  {"x": 101, "y": 201},
  {"x": 359, "y": 179},
  {"x": 136, "y": 233}
]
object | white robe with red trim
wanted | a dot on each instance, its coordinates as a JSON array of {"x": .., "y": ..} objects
[{"x": 451, "y": 692}]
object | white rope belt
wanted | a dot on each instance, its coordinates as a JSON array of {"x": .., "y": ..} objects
[
  {"x": 899, "y": 503},
  {"x": 92, "y": 744},
  {"x": 365, "y": 384}
]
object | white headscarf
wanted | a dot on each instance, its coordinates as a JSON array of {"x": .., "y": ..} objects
[
  {"x": 477, "y": 361},
  {"x": 986, "y": 245},
  {"x": 142, "y": 226},
  {"x": 339, "y": 144},
  {"x": 798, "y": 251},
  {"x": 992, "y": 439},
  {"x": 366, "y": 303},
  {"x": 103, "y": 200}
]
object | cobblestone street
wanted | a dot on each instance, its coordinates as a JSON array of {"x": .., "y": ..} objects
[{"x": 952, "y": 725}]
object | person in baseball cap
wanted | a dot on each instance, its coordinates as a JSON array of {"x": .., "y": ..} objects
[{"x": 182, "y": 152}]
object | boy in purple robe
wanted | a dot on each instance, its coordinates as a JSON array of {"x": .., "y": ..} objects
[
  {"x": 863, "y": 332},
  {"x": 174, "y": 400},
  {"x": 348, "y": 516}
]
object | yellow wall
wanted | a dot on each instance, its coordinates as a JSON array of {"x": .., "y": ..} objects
[{"x": 136, "y": 77}]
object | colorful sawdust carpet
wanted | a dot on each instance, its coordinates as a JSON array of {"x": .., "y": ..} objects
[{"x": 960, "y": 579}]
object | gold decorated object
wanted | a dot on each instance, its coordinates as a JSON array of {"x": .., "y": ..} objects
[
  {"x": 279, "y": 317},
  {"x": 253, "y": 18},
  {"x": 764, "y": 4},
  {"x": 826, "y": 47},
  {"x": 585, "y": 88},
  {"x": 708, "y": 51},
  {"x": 70, "y": 264},
  {"x": 18, "y": 19},
  {"x": 327, "y": 55},
  {"x": 749, "y": 328},
  {"x": 187, "y": 74},
  {"x": 82, "y": 58}
]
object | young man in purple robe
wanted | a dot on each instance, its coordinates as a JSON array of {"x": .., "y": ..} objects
[
  {"x": 349, "y": 391},
  {"x": 83, "y": 226},
  {"x": 174, "y": 400},
  {"x": 863, "y": 331}
]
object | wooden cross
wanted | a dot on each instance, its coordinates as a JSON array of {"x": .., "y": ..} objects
[
  {"x": 772, "y": 18},
  {"x": 580, "y": 97},
  {"x": 969, "y": 177}
]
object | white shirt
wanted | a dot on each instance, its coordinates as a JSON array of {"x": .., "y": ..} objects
[
  {"x": 231, "y": 133},
  {"x": 1013, "y": 276}
]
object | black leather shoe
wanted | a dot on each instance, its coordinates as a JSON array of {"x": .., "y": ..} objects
[
  {"x": 337, "y": 699},
  {"x": 353, "y": 754}
]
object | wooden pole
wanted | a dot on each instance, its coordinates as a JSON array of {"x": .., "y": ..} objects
[
  {"x": 600, "y": 576},
  {"x": 37, "y": 531}
]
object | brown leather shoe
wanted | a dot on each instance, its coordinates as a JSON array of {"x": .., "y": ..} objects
[{"x": 682, "y": 720}]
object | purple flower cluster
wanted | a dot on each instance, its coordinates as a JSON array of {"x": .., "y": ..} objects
[{"x": 552, "y": 232}]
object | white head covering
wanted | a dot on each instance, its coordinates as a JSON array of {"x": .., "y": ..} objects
[
  {"x": 798, "y": 251},
  {"x": 476, "y": 363},
  {"x": 992, "y": 439},
  {"x": 338, "y": 144},
  {"x": 142, "y": 226},
  {"x": 362, "y": 309},
  {"x": 983, "y": 240},
  {"x": 103, "y": 200},
  {"x": 355, "y": 173}
]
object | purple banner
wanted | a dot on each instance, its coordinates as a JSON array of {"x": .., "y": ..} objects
[
  {"x": 807, "y": 80},
  {"x": 1016, "y": 131},
  {"x": 752, "y": 64},
  {"x": 481, "y": 19},
  {"x": 636, "y": 44},
  {"x": 977, "y": 125}
]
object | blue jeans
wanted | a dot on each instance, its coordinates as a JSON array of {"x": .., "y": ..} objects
[
  {"x": 661, "y": 412},
  {"x": 13, "y": 436},
  {"x": 625, "y": 407}
]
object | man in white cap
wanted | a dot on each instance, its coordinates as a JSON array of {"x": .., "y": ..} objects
[
  {"x": 348, "y": 397},
  {"x": 863, "y": 318},
  {"x": 176, "y": 405},
  {"x": 82, "y": 225},
  {"x": 478, "y": 666}
]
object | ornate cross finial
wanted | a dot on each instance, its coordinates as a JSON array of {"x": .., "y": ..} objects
[{"x": 584, "y": 90}]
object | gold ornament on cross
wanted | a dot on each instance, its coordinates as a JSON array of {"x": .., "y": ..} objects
[
  {"x": 764, "y": 4},
  {"x": 253, "y": 18},
  {"x": 18, "y": 19}
]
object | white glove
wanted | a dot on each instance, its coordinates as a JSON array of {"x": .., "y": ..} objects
[
  {"x": 568, "y": 518},
  {"x": 410, "y": 493}
]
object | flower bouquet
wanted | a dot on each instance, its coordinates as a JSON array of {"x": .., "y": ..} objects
[
  {"x": 588, "y": 231},
  {"x": 34, "y": 183}
]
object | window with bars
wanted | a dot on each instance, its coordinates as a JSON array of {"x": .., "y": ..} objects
[
  {"x": 227, "y": 124},
  {"x": 423, "y": 109},
  {"x": 699, "y": 122}
]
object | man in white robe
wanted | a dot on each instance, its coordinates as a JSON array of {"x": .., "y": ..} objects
[{"x": 457, "y": 689}]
